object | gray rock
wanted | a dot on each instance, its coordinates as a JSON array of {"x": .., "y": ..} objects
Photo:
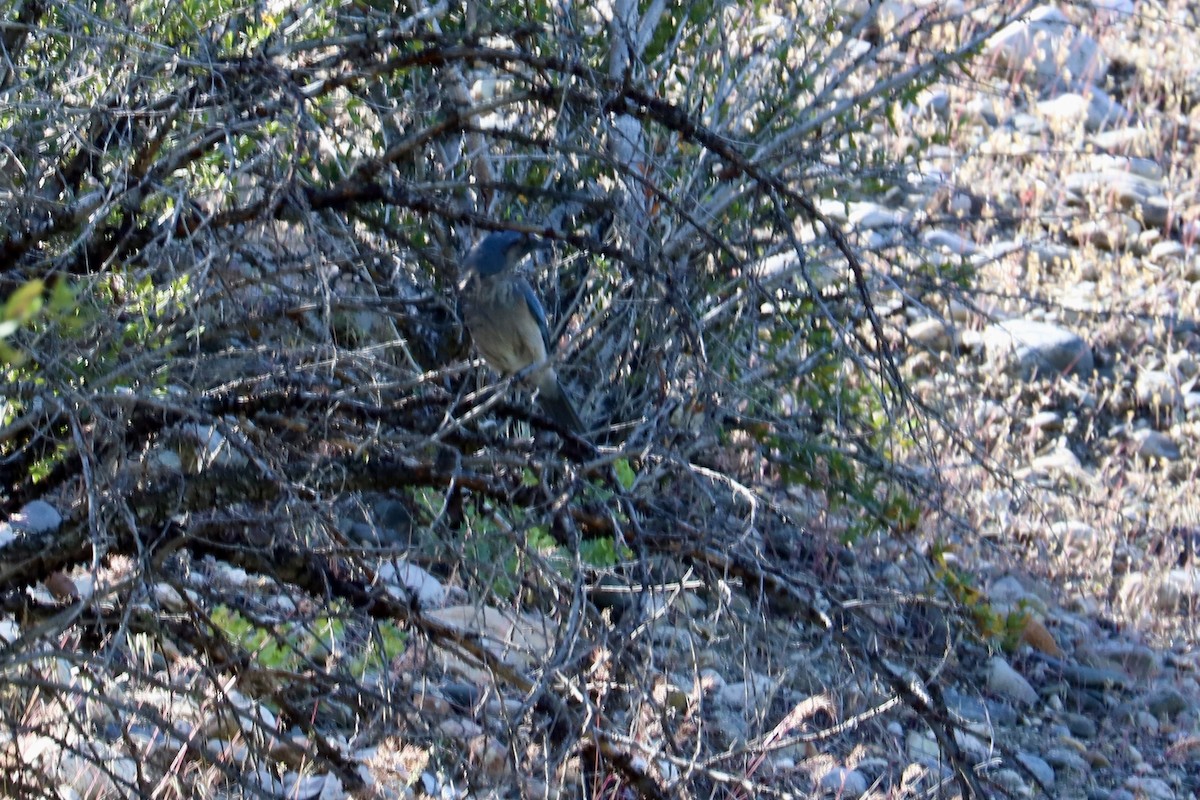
[
  {"x": 1145, "y": 167},
  {"x": 36, "y": 517},
  {"x": 1047, "y": 49},
  {"x": 1030, "y": 347},
  {"x": 1135, "y": 659},
  {"x": 1079, "y": 725},
  {"x": 949, "y": 242},
  {"x": 1149, "y": 788},
  {"x": 1156, "y": 387},
  {"x": 1167, "y": 251},
  {"x": 1049, "y": 421},
  {"x": 1007, "y": 590},
  {"x": 1038, "y": 766},
  {"x": 1096, "y": 677},
  {"x": 1156, "y": 444},
  {"x": 1094, "y": 112},
  {"x": 1064, "y": 759},
  {"x": 418, "y": 584},
  {"x": 869, "y": 216},
  {"x": 1167, "y": 702},
  {"x": 930, "y": 333},
  {"x": 973, "y": 709},
  {"x": 1007, "y": 682},
  {"x": 844, "y": 782},
  {"x": 922, "y": 749}
]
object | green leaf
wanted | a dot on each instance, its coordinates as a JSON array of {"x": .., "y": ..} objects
[
  {"x": 625, "y": 473},
  {"x": 24, "y": 302}
]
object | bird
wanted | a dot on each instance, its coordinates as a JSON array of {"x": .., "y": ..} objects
[{"x": 507, "y": 322}]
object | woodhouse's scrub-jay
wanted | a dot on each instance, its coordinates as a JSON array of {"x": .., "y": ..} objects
[{"x": 508, "y": 323}]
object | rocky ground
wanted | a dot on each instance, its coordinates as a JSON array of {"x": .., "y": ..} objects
[
  {"x": 1071, "y": 364},
  {"x": 1055, "y": 341}
]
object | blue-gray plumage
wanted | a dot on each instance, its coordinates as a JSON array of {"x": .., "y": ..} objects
[{"x": 507, "y": 320}]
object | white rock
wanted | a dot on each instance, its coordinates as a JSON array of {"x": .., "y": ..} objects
[
  {"x": 1156, "y": 387},
  {"x": 949, "y": 242},
  {"x": 1046, "y": 48},
  {"x": 922, "y": 748},
  {"x": 1095, "y": 111},
  {"x": 1124, "y": 189},
  {"x": 1167, "y": 251},
  {"x": 1112, "y": 10},
  {"x": 1059, "y": 461},
  {"x": 1156, "y": 444},
  {"x": 1075, "y": 535},
  {"x": 1007, "y": 590},
  {"x": 519, "y": 640},
  {"x": 1143, "y": 167},
  {"x": 854, "y": 9},
  {"x": 844, "y": 782},
  {"x": 1032, "y": 346},
  {"x": 1007, "y": 682},
  {"x": 36, "y": 517},
  {"x": 929, "y": 333},
  {"x": 870, "y": 216},
  {"x": 417, "y": 583}
]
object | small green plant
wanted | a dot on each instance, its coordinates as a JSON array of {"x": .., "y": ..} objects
[
  {"x": 1005, "y": 629},
  {"x": 297, "y": 645},
  {"x": 21, "y": 307}
]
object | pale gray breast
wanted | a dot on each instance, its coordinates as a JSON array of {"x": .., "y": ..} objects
[{"x": 501, "y": 325}]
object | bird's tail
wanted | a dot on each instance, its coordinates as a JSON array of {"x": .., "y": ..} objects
[{"x": 558, "y": 406}]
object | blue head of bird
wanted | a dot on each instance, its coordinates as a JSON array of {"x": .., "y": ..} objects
[{"x": 500, "y": 251}]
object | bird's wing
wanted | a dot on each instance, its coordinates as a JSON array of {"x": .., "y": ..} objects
[{"x": 536, "y": 310}]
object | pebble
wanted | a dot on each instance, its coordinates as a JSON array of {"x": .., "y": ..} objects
[
  {"x": 1096, "y": 677},
  {"x": 1038, "y": 766},
  {"x": 1133, "y": 658},
  {"x": 1079, "y": 724},
  {"x": 1046, "y": 421},
  {"x": 844, "y": 782},
  {"x": 427, "y": 590},
  {"x": 1045, "y": 48},
  {"x": 1094, "y": 112},
  {"x": 974, "y": 709},
  {"x": 1167, "y": 702},
  {"x": 930, "y": 333},
  {"x": 1167, "y": 251},
  {"x": 1033, "y": 347},
  {"x": 36, "y": 517},
  {"x": 949, "y": 242},
  {"x": 1007, "y": 682},
  {"x": 1149, "y": 788},
  {"x": 1155, "y": 387},
  {"x": 1156, "y": 444},
  {"x": 922, "y": 748},
  {"x": 870, "y": 216}
]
